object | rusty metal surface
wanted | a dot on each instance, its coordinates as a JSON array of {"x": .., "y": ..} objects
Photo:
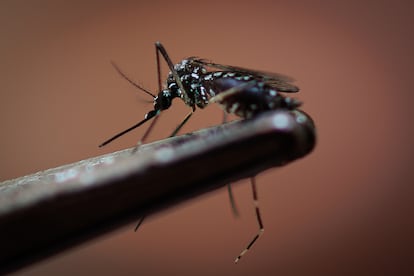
[{"x": 49, "y": 211}]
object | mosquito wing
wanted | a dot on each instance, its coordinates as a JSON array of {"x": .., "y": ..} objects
[{"x": 280, "y": 82}]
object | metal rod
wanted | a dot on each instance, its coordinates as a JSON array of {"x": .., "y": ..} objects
[{"x": 49, "y": 211}]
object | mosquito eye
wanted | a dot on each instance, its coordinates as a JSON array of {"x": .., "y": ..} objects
[{"x": 165, "y": 103}]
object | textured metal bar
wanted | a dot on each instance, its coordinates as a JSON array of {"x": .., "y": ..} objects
[{"x": 49, "y": 211}]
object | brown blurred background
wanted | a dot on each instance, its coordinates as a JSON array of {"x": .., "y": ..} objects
[{"x": 343, "y": 210}]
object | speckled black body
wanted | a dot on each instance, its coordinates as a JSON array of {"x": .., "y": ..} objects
[
  {"x": 253, "y": 91},
  {"x": 199, "y": 82}
]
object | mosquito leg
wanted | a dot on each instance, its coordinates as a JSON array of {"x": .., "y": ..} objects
[
  {"x": 224, "y": 117},
  {"x": 160, "y": 49},
  {"x": 230, "y": 92},
  {"x": 145, "y": 136},
  {"x": 168, "y": 60},
  {"x": 233, "y": 205},
  {"x": 181, "y": 124},
  {"x": 139, "y": 223},
  {"x": 258, "y": 217},
  {"x": 157, "y": 54},
  {"x": 147, "y": 132}
]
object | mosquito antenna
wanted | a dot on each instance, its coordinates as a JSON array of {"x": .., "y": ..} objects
[
  {"x": 131, "y": 81},
  {"x": 148, "y": 116}
]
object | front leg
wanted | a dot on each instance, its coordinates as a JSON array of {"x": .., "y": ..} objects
[{"x": 222, "y": 96}]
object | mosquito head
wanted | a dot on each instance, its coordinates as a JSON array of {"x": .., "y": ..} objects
[{"x": 163, "y": 100}]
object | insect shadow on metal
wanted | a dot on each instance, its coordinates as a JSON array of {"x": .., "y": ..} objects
[{"x": 199, "y": 82}]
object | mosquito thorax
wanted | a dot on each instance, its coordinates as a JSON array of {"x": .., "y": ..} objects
[{"x": 191, "y": 76}]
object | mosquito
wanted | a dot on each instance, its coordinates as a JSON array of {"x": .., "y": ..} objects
[{"x": 199, "y": 82}]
